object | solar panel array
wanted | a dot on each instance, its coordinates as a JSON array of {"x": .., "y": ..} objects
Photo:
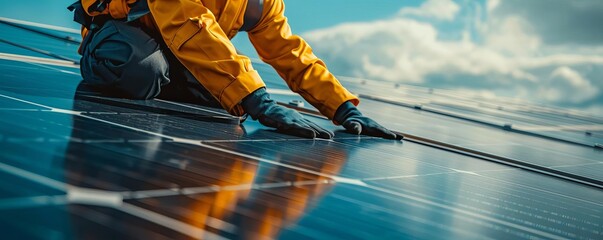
[{"x": 75, "y": 164}]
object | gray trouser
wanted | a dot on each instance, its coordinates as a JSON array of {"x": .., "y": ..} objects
[{"x": 121, "y": 60}]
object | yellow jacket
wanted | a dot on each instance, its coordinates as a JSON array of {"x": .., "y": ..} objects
[{"x": 198, "y": 32}]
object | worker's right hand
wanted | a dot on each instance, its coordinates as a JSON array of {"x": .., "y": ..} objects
[
  {"x": 354, "y": 122},
  {"x": 260, "y": 107}
]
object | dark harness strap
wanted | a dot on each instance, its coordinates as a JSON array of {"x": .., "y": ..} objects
[
  {"x": 253, "y": 14},
  {"x": 137, "y": 10}
]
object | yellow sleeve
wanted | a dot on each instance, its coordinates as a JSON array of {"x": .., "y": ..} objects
[
  {"x": 192, "y": 33},
  {"x": 295, "y": 62}
]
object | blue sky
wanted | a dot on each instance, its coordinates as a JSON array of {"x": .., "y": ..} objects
[
  {"x": 546, "y": 51},
  {"x": 324, "y": 13}
]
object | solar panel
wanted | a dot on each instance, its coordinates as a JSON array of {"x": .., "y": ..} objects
[
  {"x": 561, "y": 124},
  {"x": 74, "y": 164}
]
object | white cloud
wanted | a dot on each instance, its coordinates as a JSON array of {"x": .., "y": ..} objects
[
  {"x": 512, "y": 35},
  {"x": 562, "y": 59},
  {"x": 507, "y": 56},
  {"x": 492, "y": 4},
  {"x": 407, "y": 50},
  {"x": 556, "y": 22},
  {"x": 565, "y": 84},
  {"x": 438, "y": 9}
]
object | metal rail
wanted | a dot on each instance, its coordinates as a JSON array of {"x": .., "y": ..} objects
[
  {"x": 485, "y": 123},
  {"x": 481, "y": 155},
  {"x": 21, "y": 25},
  {"x": 40, "y": 51},
  {"x": 504, "y": 160}
]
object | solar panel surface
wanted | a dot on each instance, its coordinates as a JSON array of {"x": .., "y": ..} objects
[{"x": 74, "y": 164}]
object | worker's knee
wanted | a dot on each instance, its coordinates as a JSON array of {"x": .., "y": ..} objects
[{"x": 123, "y": 58}]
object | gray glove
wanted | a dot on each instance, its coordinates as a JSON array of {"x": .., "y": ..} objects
[
  {"x": 260, "y": 107},
  {"x": 354, "y": 122}
]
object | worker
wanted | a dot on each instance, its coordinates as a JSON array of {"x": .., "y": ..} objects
[{"x": 181, "y": 49}]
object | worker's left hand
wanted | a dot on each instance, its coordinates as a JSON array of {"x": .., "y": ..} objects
[
  {"x": 260, "y": 107},
  {"x": 354, "y": 122}
]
